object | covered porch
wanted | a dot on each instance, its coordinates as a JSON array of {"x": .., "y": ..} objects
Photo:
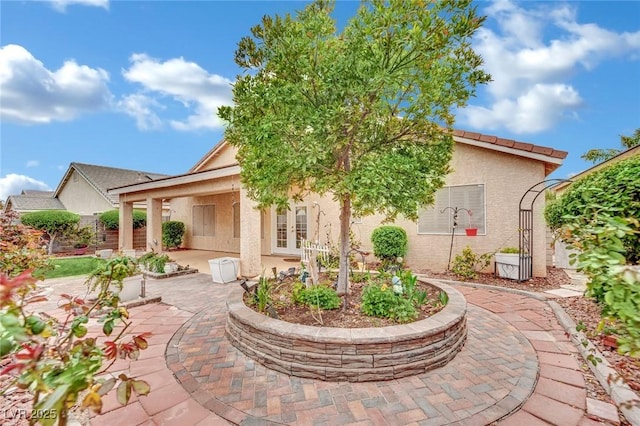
[{"x": 183, "y": 189}]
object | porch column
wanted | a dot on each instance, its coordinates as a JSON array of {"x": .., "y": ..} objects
[
  {"x": 125, "y": 224},
  {"x": 154, "y": 224},
  {"x": 250, "y": 261}
]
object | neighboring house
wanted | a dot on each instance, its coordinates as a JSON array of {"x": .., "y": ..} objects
[
  {"x": 31, "y": 200},
  {"x": 561, "y": 253},
  {"x": 490, "y": 176},
  {"x": 83, "y": 188}
]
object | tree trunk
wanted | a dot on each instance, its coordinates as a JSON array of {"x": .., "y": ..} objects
[
  {"x": 52, "y": 240},
  {"x": 345, "y": 243}
]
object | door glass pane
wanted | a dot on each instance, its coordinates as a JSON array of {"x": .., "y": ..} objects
[
  {"x": 301, "y": 225},
  {"x": 281, "y": 228}
]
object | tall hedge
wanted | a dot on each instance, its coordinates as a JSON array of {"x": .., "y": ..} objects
[
  {"x": 612, "y": 191},
  {"x": 111, "y": 219},
  {"x": 389, "y": 242}
]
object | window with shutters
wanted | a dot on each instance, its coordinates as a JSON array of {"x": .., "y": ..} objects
[
  {"x": 204, "y": 220},
  {"x": 471, "y": 197}
]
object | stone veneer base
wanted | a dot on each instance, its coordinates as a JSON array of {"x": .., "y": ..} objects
[{"x": 349, "y": 354}]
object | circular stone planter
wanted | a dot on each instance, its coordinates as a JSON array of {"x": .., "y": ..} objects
[{"x": 349, "y": 354}]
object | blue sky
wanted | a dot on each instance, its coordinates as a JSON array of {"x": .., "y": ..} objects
[{"x": 136, "y": 84}]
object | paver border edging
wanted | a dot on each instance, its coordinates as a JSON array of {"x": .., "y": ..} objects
[
  {"x": 618, "y": 389},
  {"x": 536, "y": 296},
  {"x": 343, "y": 354}
]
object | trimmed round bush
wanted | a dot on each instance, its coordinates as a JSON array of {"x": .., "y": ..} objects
[
  {"x": 51, "y": 221},
  {"x": 172, "y": 233},
  {"x": 111, "y": 219},
  {"x": 389, "y": 242}
]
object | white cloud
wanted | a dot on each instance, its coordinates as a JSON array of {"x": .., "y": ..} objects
[
  {"x": 61, "y": 5},
  {"x": 186, "y": 82},
  {"x": 32, "y": 94},
  {"x": 33, "y": 163},
  {"x": 140, "y": 107},
  {"x": 13, "y": 184},
  {"x": 534, "y": 111},
  {"x": 532, "y": 74}
]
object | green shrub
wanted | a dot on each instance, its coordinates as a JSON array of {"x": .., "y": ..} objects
[
  {"x": 381, "y": 301},
  {"x": 263, "y": 294},
  {"x": 320, "y": 296},
  {"x": 389, "y": 243},
  {"x": 111, "y": 219},
  {"x": 507, "y": 250},
  {"x": 613, "y": 190},
  {"x": 154, "y": 262},
  {"x": 172, "y": 233},
  {"x": 56, "y": 223},
  {"x": 467, "y": 263}
]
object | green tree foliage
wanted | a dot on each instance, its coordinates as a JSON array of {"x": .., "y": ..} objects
[
  {"x": 599, "y": 155},
  {"x": 111, "y": 219},
  {"x": 598, "y": 216},
  {"x": 389, "y": 243},
  {"x": 612, "y": 191},
  {"x": 365, "y": 113},
  {"x": 56, "y": 223},
  {"x": 172, "y": 233}
]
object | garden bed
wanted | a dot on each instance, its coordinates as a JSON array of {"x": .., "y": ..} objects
[{"x": 349, "y": 354}]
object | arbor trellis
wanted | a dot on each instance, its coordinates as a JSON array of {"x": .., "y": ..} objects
[{"x": 365, "y": 114}]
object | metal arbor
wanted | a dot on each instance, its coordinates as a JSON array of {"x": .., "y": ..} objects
[{"x": 525, "y": 226}]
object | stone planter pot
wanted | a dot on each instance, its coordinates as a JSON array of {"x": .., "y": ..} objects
[
  {"x": 130, "y": 288},
  {"x": 507, "y": 266}
]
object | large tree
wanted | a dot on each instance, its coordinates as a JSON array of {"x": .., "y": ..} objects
[
  {"x": 365, "y": 113},
  {"x": 598, "y": 155}
]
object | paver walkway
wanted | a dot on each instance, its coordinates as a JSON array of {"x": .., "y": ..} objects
[{"x": 517, "y": 360}]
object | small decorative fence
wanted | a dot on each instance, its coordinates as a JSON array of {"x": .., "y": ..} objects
[{"x": 322, "y": 251}]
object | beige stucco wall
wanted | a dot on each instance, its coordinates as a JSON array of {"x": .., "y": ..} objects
[
  {"x": 225, "y": 156},
  {"x": 80, "y": 197},
  {"x": 223, "y": 240},
  {"x": 506, "y": 178}
]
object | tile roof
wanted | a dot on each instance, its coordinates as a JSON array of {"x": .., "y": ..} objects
[{"x": 510, "y": 143}]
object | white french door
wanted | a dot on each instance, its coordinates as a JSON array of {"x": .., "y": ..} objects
[{"x": 290, "y": 227}]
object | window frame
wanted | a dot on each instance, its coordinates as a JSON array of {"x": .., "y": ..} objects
[{"x": 463, "y": 222}]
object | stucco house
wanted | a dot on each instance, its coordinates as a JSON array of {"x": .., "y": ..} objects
[
  {"x": 83, "y": 190},
  {"x": 83, "y": 187},
  {"x": 490, "y": 176}
]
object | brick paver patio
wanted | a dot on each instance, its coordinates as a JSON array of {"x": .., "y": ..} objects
[{"x": 517, "y": 368}]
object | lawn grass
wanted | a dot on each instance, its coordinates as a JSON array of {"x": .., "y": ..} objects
[{"x": 73, "y": 266}]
